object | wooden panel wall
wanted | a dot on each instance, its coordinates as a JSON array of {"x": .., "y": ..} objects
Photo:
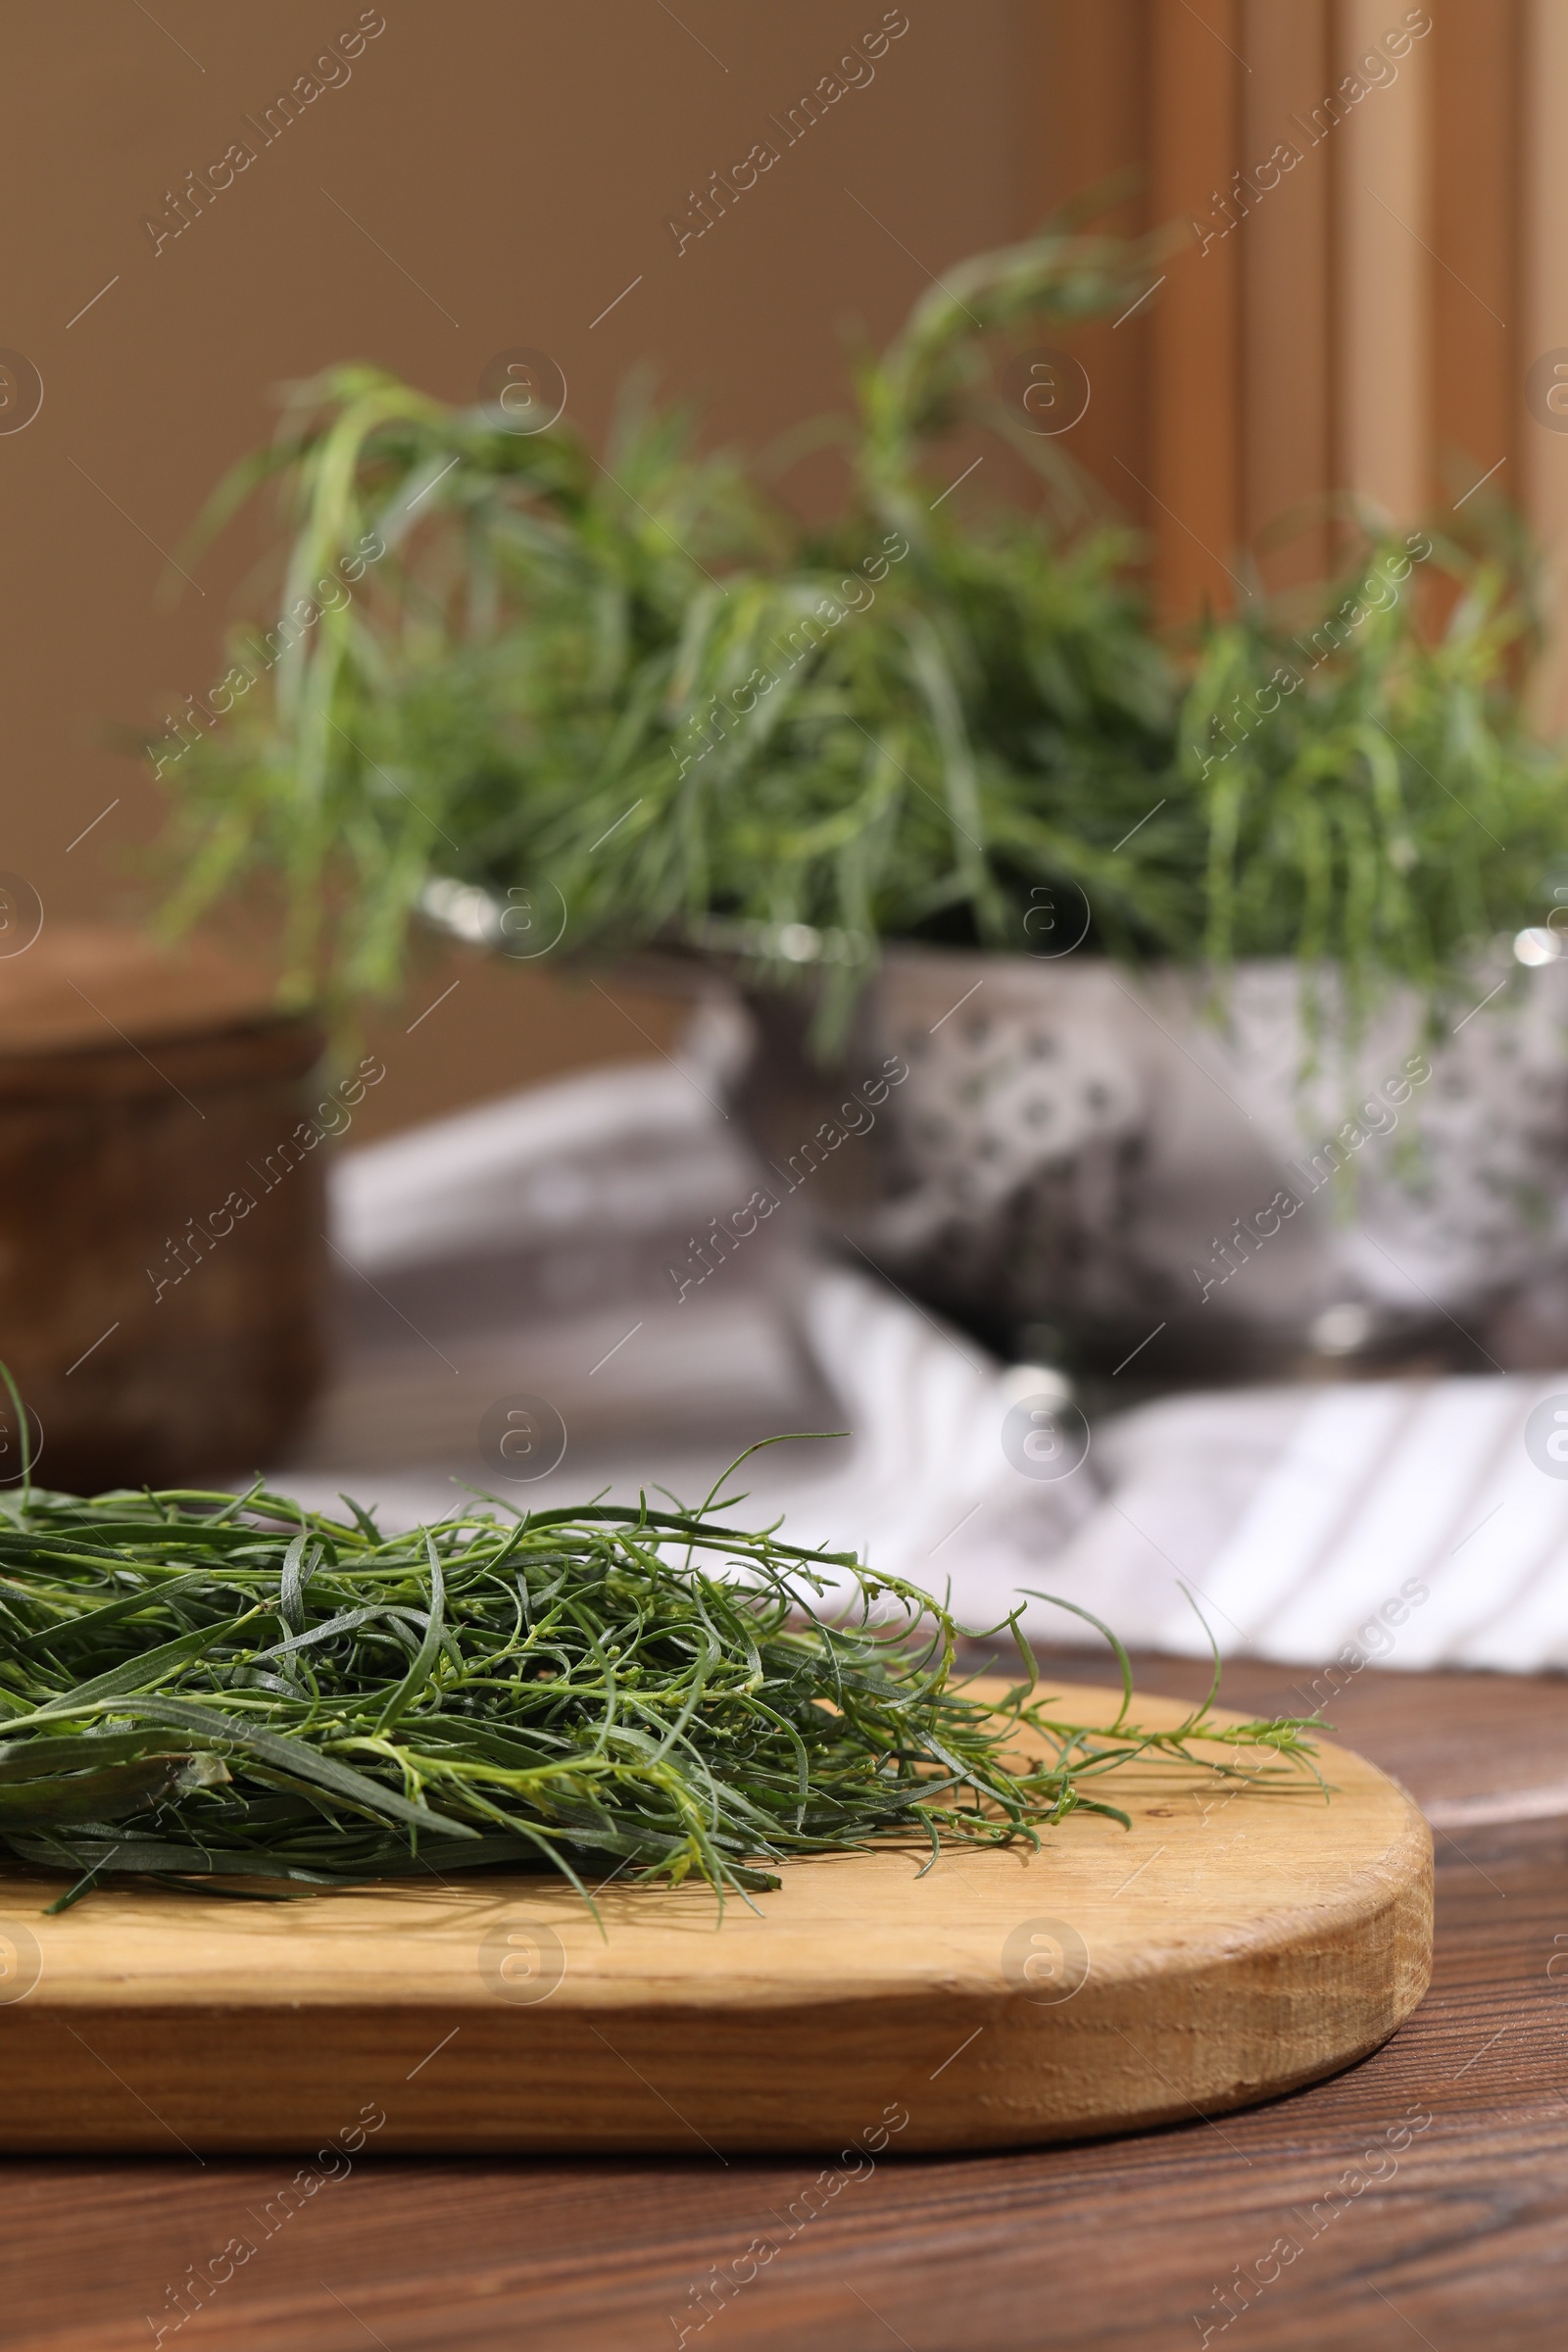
[
  {"x": 1095, "y": 132},
  {"x": 1544, "y": 306},
  {"x": 1479, "y": 199},
  {"x": 1383, "y": 261},
  {"x": 1193, "y": 384},
  {"x": 1286, "y": 340},
  {"x": 1363, "y": 200}
]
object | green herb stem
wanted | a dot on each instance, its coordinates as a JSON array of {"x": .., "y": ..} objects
[{"x": 642, "y": 1691}]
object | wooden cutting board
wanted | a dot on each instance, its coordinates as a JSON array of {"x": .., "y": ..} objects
[{"x": 1235, "y": 1944}]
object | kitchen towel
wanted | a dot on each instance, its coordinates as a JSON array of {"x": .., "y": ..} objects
[{"x": 538, "y": 1258}]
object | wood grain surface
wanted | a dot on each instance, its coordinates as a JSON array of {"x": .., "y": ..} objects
[
  {"x": 80, "y": 987},
  {"x": 161, "y": 1229},
  {"x": 1237, "y": 1937},
  {"x": 1114, "y": 2246}
]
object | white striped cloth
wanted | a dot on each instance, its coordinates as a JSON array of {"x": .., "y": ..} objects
[{"x": 1401, "y": 1521}]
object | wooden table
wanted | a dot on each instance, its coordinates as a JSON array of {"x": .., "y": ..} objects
[{"x": 1456, "y": 2235}]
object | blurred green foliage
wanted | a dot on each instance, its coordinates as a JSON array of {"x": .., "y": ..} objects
[{"x": 643, "y": 683}]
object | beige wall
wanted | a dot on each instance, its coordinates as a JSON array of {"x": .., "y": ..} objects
[{"x": 510, "y": 167}]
